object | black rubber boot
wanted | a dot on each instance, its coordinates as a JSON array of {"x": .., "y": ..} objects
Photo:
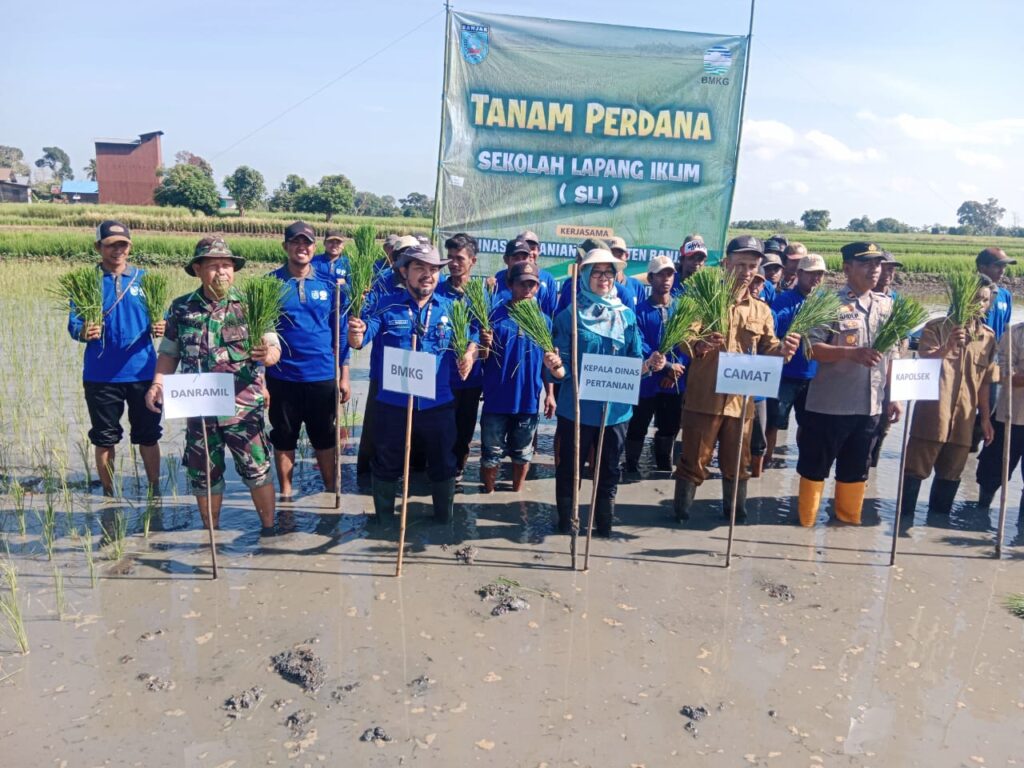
[
  {"x": 683, "y": 500},
  {"x": 443, "y": 495},
  {"x": 911, "y": 489},
  {"x": 604, "y": 512},
  {"x": 384, "y": 499},
  {"x": 564, "y": 505},
  {"x": 985, "y": 496},
  {"x": 633, "y": 450},
  {"x": 663, "y": 453},
  {"x": 940, "y": 500},
  {"x": 741, "y": 499}
]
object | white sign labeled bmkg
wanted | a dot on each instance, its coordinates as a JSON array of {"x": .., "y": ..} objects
[{"x": 411, "y": 373}]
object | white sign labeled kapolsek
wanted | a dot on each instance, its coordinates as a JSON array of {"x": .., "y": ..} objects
[
  {"x": 610, "y": 379},
  {"x": 915, "y": 379},
  {"x": 411, "y": 373},
  {"x": 187, "y": 395},
  {"x": 755, "y": 375}
]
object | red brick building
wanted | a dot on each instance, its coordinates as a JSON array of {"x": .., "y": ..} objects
[{"x": 126, "y": 169}]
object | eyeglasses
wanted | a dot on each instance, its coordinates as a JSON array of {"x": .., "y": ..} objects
[{"x": 606, "y": 273}]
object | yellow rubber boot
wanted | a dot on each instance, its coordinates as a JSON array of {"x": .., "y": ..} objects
[
  {"x": 809, "y": 501},
  {"x": 849, "y": 502}
]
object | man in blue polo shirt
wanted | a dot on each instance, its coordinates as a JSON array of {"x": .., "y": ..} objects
[
  {"x": 119, "y": 360},
  {"x": 417, "y": 313},
  {"x": 526, "y": 247},
  {"x": 798, "y": 372},
  {"x": 693, "y": 255},
  {"x": 302, "y": 385},
  {"x": 992, "y": 262},
  {"x": 332, "y": 264}
]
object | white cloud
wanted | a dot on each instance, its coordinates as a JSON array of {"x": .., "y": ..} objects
[
  {"x": 967, "y": 189},
  {"x": 939, "y": 130},
  {"x": 832, "y": 148},
  {"x": 902, "y": 184},
  {"x": 767, "y": 139},
  {"x": 790, "y": 185},
  {"x": 978, "y": 159}
]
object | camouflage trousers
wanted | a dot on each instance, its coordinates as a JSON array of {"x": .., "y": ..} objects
[{"x": 246, "y": 440}]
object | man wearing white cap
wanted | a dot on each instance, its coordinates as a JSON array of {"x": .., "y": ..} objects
[{"x": 693, "y": 254}]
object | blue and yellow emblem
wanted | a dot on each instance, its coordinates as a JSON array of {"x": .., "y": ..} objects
[{"x": 474, "y": 43}]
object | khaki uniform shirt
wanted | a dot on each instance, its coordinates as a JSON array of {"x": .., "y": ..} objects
[
  {"x": 751, "y": 327},
  {"x": 846, "y": 388},
  {"x": 950, "y": 419},
  {"x": 1017, "y": 334}
]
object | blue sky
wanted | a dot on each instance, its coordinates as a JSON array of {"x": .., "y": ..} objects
[{"x": 880, "y": 108}]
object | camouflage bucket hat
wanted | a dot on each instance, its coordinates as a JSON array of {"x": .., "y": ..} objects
[{"x": 212, "y": 248}]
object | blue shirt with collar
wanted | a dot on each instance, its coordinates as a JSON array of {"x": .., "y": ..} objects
[
  {"x": 514, "y": 370},
  {"x": 125, "y": 351},
  {"x": 306, "y": 329},
  {"x": 998, "y": 318},
  {"x": 476, "y": 374},
  {"x": 590, "y": 411},
  {"x": 393, "y": 323},
  {"x": 768, "y": 293},
  {"x": 326, "y": 269},
  {"x": 651, "y": 321},
  {"x": 784, "y": 308},
  {"x": 385, "y": 283},
  {"x": 547, "y": 291}
]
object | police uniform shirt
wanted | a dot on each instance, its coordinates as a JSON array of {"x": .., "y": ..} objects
[
  {"x": 306, "y": 329},
  {"x": 847, "y": 388}
]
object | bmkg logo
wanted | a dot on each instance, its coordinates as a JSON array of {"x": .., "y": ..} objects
[
  {"x": 717, "y": 61},
  {"x": 473, "y": 42}
]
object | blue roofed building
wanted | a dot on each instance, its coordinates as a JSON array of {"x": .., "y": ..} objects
[{"x": 80, "y": 191}]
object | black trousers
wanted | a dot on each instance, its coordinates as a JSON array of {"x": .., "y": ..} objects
[
  {"x": 366, "y": 447},
  {"x": 611, "y": 456},
  {"x": 990, "y": 460},
  {"x": 666, "y": 410},
  {"x": 434, "y": 428},
  {"x": 467, "y": 407},
  {"x": 846, "y": 441},
  {"x": 294, "y": 403}
]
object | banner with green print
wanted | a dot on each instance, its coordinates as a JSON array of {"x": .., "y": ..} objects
[{"x": 576, "y": 130}]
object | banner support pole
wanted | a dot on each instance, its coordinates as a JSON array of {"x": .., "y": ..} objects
[
  {"x": 739, "y": 130},
  {"x": 440, "y": 134}
]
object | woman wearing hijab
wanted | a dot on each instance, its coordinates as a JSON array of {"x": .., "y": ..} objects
[{"x": 605, "y": 326}]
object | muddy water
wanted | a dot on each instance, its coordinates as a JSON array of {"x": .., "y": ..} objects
[{"x": 808, "y": 651}]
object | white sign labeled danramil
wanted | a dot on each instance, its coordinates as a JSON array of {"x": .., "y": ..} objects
[{"x": 187, "y": 395}]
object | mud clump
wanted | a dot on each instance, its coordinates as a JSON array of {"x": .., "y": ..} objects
[
  {"x": 778, "y": 591},
  {"x": 466, "y": 555},
  {"x": 154, "y": 683},
  {"x": 504, "y": 594},
  {"x": 246, "y": 700},
  {"x": 338, "y": 694},
  {"x": 696, "y": 714},
  {"x": 420, "y": 685},
  {"x": 302, "y": 667},
  {"x": 376, "y": 734},
  {"x": 298, "y": 722},
  {"x": 691, "y": 729}
]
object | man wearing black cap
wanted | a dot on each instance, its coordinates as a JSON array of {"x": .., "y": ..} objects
[
  {"x": 992, "y": 263},
  {"x": 847, "y": 397},
  {"x": 119, "y": 360},
  {"x": 526, "y": 246},
  {"x": 888, "y": 275},
  {"x": 774, "y": 252},
  {"x": 710, "y": 418}
]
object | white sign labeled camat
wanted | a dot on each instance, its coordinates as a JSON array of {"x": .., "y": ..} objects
[
  {"x": 915, "y": 379},
  {"x": 610, "y": 379},
  {"x": 411, "y": 373},
  {"x": 754, "y": 375},
  {"x": 187, "y": 395}
]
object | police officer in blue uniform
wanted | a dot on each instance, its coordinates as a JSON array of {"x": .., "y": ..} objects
[
  {"x": 419, "y": 314},
  {"x": 302, "y": 385}
]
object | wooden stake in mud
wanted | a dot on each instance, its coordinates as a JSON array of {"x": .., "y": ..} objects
[
  {"x": 405, "y": 478},
  {"x": 899, "y": 486},
  {"x": 209, "y": 498},
  {"x": 593, "y": 493},
  {"x": 736, "y": 479},
  {"x": 575, "y": 523},
  {"x": 337, "y": 399},
  {"x": 1004, "y": 491}
]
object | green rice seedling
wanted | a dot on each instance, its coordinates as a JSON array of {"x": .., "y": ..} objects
[
  {"x": 1015, "y": 604},
  {"x": 479, "y": 298},
  {"x": 262, "y": 302},
  {"x": 680, "y": 328},
  {"x": 82, "y": 290},
  {"x": 362, "y": 259},
  {"x": 156, "y": 291},
  {"x": 713, "y": 290},
  {"x": 48, "y": 527},
  {"x": 10, "y": 607},
  {"x": 459, "y": 318},
  {"x": 964, "y": 306},
  {"x": 531, "y": 321},
  {"x": 116, "y": 536},
  {"x": 151, "y": 508},
  {"x": 171, "y": 484},
  {"x": 18, "y": 501},
  {"x": 58, "y": 591},
  {"x": 83, "y": 445},
  {"x": 86, "y": 541},
  {"x": 906, "y": 315},
  {"x": 819, "y": 310}
]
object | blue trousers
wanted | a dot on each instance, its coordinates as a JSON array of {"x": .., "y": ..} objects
[{"x": 433, "y": 428}]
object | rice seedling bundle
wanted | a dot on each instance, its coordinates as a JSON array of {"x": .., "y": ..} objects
[
  {"x": 680, "y": 330},
  {"x": 262, "y": 302},
  {"x": 1015, "y": 605},
  {"x": 964, "y": 306},
  {"x": 479, "y": 297},
  {"x": 157, "y": 294},
  {"x": 713, "y": 291},
  {"x": 819, "y": 310},
  {"x": 531, "y": 321},
  {"x": 82, "y": 289},
  {"x": 906, "y": 315},
  {"x": 362, "y": 258},
  {"x": 459, "y": 318}
]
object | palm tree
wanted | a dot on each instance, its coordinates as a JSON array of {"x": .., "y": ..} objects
[{"x": 90, "y": 170}]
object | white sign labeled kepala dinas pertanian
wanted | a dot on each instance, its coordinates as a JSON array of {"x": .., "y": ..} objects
[{"x": 610, "y": 379}]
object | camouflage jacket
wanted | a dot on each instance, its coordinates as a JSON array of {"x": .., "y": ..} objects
[{"x": 211, "y": 337}]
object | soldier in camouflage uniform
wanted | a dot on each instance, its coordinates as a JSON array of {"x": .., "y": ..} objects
[{"x": 206, "y": 333}]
